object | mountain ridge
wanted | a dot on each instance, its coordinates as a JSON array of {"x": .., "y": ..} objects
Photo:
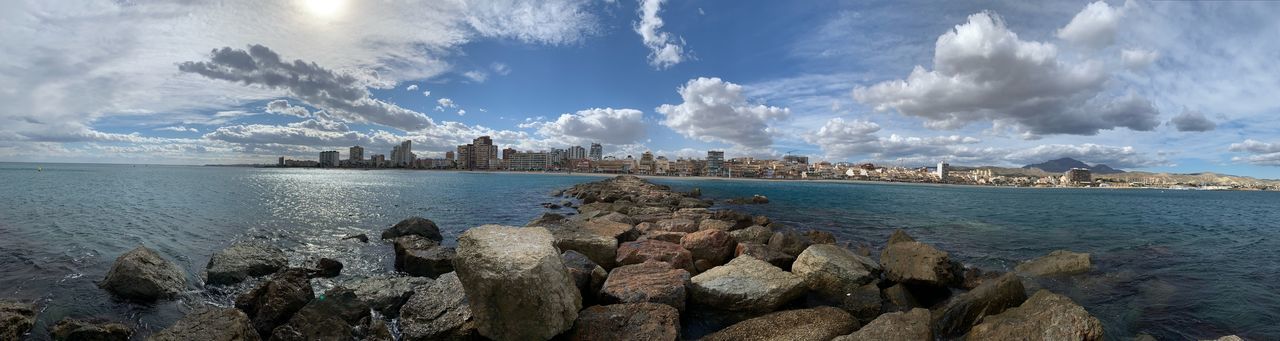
[{"x": 1066, "y": 163}]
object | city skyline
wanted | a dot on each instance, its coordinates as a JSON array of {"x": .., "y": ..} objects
[{"x": 1126, "y": 84}]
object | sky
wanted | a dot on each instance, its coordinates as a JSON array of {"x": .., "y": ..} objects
[{"x": 1153, "y": 86}]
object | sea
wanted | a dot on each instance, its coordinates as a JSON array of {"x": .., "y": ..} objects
[{"x": 1178, "y": 265}]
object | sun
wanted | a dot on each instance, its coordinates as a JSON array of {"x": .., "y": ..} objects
[{"x": 324, "y": 8}]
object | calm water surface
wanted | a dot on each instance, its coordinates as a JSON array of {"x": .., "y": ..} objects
[{"x": 1174, "y": 264}]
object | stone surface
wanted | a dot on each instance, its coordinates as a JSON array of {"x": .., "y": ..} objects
[
  {"x": 693, "y": 214},
  {"x": 363, "y": 238},
  {"x": 833, "y": 270},
  {"x": 76, "y": 330},
  {"x": 273, "y": 302},
  {"x": 418, "y": 256},
  {"x": 587, "y": 275},
  {"x": 1046, "y": 315},
  {"x": 652, "y": 281},
  {"x": 899, "y": 298},
  {"x": 899, "y": 236},
  {"x": 654, "y": 250},
  {"x": 1229, "y": 338},
  {"x": 974, "y": 277},
  {"x": 673, "y": 225},
  {"x": 753, "y": 234},
  {"x": 670, "y": 237},
  {"x": 765, "y": 253},
  {"x": 789, "y": 242},
  {"x": 714, "y": 246},
  {"x": 817, "y": 324},
  {"x": 863, "y": 302},
  {"x": 385, "y": 293},
  {"x": 916, "y": 263},
  {"x": 16, "y": 318},
  {"x": 746, "y": 284},
  {"x": 326, "y": 268},
  {"x": 516, "y": 283},
  {"x": 1060, "y": 262},
  {"x": 628, "y": 321},
  {"x": 715, "y": 224},
  {"x": 820, "y": 237},
  {"x": 601, "y": 249},
  {"x": 910, "y": 325},
  {"x": 142, "y": 274},
  {"x": 964, "y": 310},
  {"x": 335, "y": 316},
  {"x": 243, "y": 260},
  {"x": 212, "y": 324},
  {"x": 438, "y": 312},
  {"x": 414, "y": 226},
  {"x": 737, "y": 219}
]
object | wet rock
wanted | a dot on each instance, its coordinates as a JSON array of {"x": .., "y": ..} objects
[
  {"x": 142, "y": 274},
  {"x": 601, "y": 249},
  {"x": 820, "y": 237},
  {"x": 386, "y": 293},
  {"x": 761, "y": 220},
  {"x": 670, "y": 237},
  {"x": 418, "y": 256},
  {"x": 243, "y": 260},
  {"x": 334, "y": 316},
  {"x": 1047, "y": 315},
  {"x": 1229, "y": 338},
  {"x": 834, "y": 271},
  {"x": 754, "y": 199},
  {"x": 16, "y": 318},
  {"x": 789, "y": 242},
  {"x": 587, "y": 275},
  {"x": 910, "y": 325},
  {"x": 414, "y": 226},
  {"x": 654, "y": 250},
  {"x": 628, "y": 321},
  {"x": 916, "y": 263},
  {"x": 863, "y": 302},
  {"x": 379, "y": 331},
  {"x": 714, "y": 246},
  {"x": 964, "y": 310},
  {"x": 765, "y": 253},
  {"x": 753, "y": 234},
  {"x": 713, "y": 224},
  {"x": 548, "y": 220},
  {"x": 439, "y": 311},
  {"x": 974, "y": 277},
  {"x": 360, "y": 237},
  {"x": 746, "y": 284},
  {"x": 326, "y": 268},
  {"x": 693, "y": 203},
  {"x": 509, "y": 271},
  {"x": 76, "y": 330},
  {"x": 900, "y": 236},
  {"x": 817, "y": 324},
  {"x": 210, "y": 323},
  {"x": 899, "y": 298},
  {"x": 655, "y": 282},
  {"x": 273, "y": 302},
  {"x": 737, "y": 219},
  {"x": 695, "y": 193},
  {"x": 1060, "y": 262}
]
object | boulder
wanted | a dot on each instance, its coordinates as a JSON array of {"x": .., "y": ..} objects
[
  {"x": 414, "y": 226},
  {"x": 759, "y": 199},
  {"x": 1060, "y": 262},
  {"x": 16, "y": 318},
  {"x": 752, "y": 234},
  {"x": 670, "y": 237},
  {"x": 326, "y": 268},
  {"x": 713, "y": 224},
  {"x": 692, "y": 214},
  {"x": 1229, "y": 338},
  {"x": 1047, "y": 315},
  {"x": 695, "y": 192},
  {"x": 916, "y": 263},
  {"x": 516, "y": 283},
  {"x": 335, "y": 316},
  {"x": 714, "y": 246},
  {"x": 910, "y": 325},
  {"x": 964, "y": 310},
  {"x": 816, "y": 324},
  {"x": 820, "y": 237},
  {"x": 587, "y": 275},
  {"x": 974, "y": 277},
  {"x": 212, "y": 324},
  {"x": 863, "y": 302},
  {"x": 764, "y": 253},
  {"x": 672, "y": 225},
  {"x": 737, "y": 219},
  {"x": 379, "y": 331},
  {"x": 654, "y": 250},
  {"x": 273, "y": 302},
  {"x": 899, "y": 236},
  {"x": 899, "y": 298},
  {"x": 418, "y": 256},
  {"x": 628, "y": 321},
  {"x": 76, "y": 330},
  {"x": 652, "y": 281},
  {"x": 746, "y": 284},
  {"x": 359, "y": 237},
  {"x": 834, "y": 271},
  {"x": 385, "y": 293},
  {"x": 141, "y": 274},
  {"x": 243, "y": 260},
  {"x": 620, "y": 229},
  {"x": 693, "y": 203},
  {"x": 601, "y": 249},
  {"x": 438, "y": 312},
  {"x": 789, "y": 242}
]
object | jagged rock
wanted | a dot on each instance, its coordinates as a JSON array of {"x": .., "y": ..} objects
[
  {"x": 834, "y": 271},
  {"x": 360, "y": 237},
  {"x": 1060, "y": 262},
  {"x": 386, "y": 293},
  {"x": 916, "y": 263},
  {"x": 587, "y": 275},
  {"x": 617, "y": 229},
  {"x": 817, "y": 324},
  {"x": 672, "y": 225},
  {"x": 899, "y": 298},
  {"x": 212, "y": 324},
  {"x": 974, "y": 277},
  {"x": 695, "y": 193},
  {"x": 964, "y": 310},
  {"x": 738, "y": 220},
  {"x": 509, "y": 272},
  {"x": 414, "y": 226},
  {"x": 693, "y": 203},
  {"x": 76, "y": 330},
  {"x": 765, "y": 253},
  {"x": 418, "y": 256},
  {"x": 746, "y": 284},
  {"x": 243, "y": 260},
  {"x": 438, "y": 312},
  {"x": 694, "y": 214},
  {"x": 713, "y": 224},
  {"x": 752, "y": 234},
  {"x": 820, "y": 237},
  {"x": 601, "y": 249},
  {"x": 1046, "y": 315},
  {"x": 142, "y": 274},
  {"x": 761, "y": 220},
  {"x": 334, "y": 316},
  {"x": 326, "y": 268},
  {"x": 628, "y": 321},
  {"x": 16, "y": 318},
  {"x": 379, "y": 331},
  {"x": 652, "y": 281},
  {"x": 896, "y": 326},
  {"x": 900, "y": 236},
  {"x": 863, "y": 302},
  {"x": 789, "y": 242},
  {"x": 754, "y": 199},
  {"x": 714, "y": 246},
  {"x": 670, "y": 237},
  {"x": 548, "y": 219},
  {"x": 271, "y": 303},
  {"x": 654, "y": 250},
  {"x": 1229, "y": 338}
]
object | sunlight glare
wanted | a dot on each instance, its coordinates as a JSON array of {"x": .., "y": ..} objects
[{"x": 324, "y": 8}]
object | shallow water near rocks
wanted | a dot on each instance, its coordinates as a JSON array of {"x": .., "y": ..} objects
[{"x": 1174, "y": 264}]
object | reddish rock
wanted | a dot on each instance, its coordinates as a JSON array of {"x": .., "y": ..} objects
[
  {"x": 715, "y": 246},
  {"x": 654, "y": 250},
  {"x": 670, "y": 237},
  {"x": 655, "y": 282},
  {"x": 673, "y": 225},
  {"x": 629, "y": 321}
]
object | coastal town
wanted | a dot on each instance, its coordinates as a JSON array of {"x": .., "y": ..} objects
[{"x": 482, "y": 154}]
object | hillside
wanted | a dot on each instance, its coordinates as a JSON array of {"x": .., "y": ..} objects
[{"x": 1066, "y": 163}]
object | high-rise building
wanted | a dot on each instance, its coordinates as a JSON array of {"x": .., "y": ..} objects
[
  {"x": 506, "y": 152},
  {"x": 557, "y": 156},
  {"x": 1077, "y": 176},
  {"x": 941, "y": 171},
  {"x": 715, "y": 163},
  {"x": 796, "y": 159},
  {"x": 329, "y": 158},
  {"x": 281, "y": 163},
  {"x": 356, "y": 153},
  {"x": 479, "y": 154},
  {"x": 597, "y": 152},
  {"x": 577, "y": 152},
  {"x": 402, "y": 155},
  {"x": 528, "y": 161},
  {"x": 448, "y": 155}
]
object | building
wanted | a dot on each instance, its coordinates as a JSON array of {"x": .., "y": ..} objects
[
  {"x": 355, "y": 154},
  {"x": 1077, "y": 176},
  {"x": 479, "y": 154},
  {"x": 804, "y": 160},
  {"x": 715, "y": 163},
  {"x": 507, "y": 152},
  {"x": 577, "y": 153},
  {"x": 557, "y": 156},
  {"x": 941, "y": 171},
  {"x": 378, "y": 160},
  {"x": 597, "y": 152},
  {"x": 448, "y": 155},
  {"x": 402, "y": 155},
  {"x": 528, "y": 161},
  {"x": 329, "y": 158},
  {"x": 281, "y": 163}
]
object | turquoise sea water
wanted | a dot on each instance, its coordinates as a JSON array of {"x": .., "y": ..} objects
[{"x": 1174, "y": 264}]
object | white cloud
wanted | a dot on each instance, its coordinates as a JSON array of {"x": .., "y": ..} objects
[
  {"x": 1191, "y": 120},
  {"x": 500, "y": 68},
  {"x": 715, "y": 110},
  {"x": 179, "y": 129},
  {"x": 843, "y": 140},
  {"x": 476, "y": 76},
  {"x": 1094, "y": 27},
  {"x": 603, "y": 125},
  {"x": 665, "y": 50},
  {"x": 412, "y": 87},
  {"x": 1260, "y": 153},
  {"x": 426, "y": 93},
  {"x": 445, "y": 102},
  {"x": 461, "y": 112},
  {"x": 1137, "y": 59},
  {"x": 282, "y": 107}
]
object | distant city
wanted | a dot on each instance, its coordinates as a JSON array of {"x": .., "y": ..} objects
[{"x": 483, "y": 155}]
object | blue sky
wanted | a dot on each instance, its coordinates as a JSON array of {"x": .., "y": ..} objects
[{"x": 1157, "y": 86}]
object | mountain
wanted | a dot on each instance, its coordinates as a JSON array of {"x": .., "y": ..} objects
[{"x": 1066, "y": 163}]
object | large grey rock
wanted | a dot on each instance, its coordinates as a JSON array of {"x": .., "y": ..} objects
[
  {"x": 516, "y": 283},
  {"x": 916, "y": 263},
  {"x": 672, "y": 225},
  {"x": 587, "y": 275},
  {"x": 817, "y": 324},
  {"x": 242, "y": 260},
  {"x": 600, "y": 248},
  {"x": 414, "y": 226},
  {"x": 713, "y": 246},
  {"x": 386, "y": 293},
  {"x": 16, "y": 318},
  {"x": 752, "y": 234},
  {"x": 898, "y": 298},
  {"x": 833, "y": 270},
  {"x": 628, "y": 321},
  {"x": 273, "y": 302},
  {"x": 438, "y": 312},
  {"x": 765, "y": 253},
  {"x": 142, "y": 274},
  {"x": 1046, "y": 315},
  {"x": 335, "y": 317},
  {"x": 212, "y": 324},
  {"x": 790, "y": 242},
  {"x": 77, "y": 330},
  {"x": 964, "y": 310},
  {"x": 655, "y": 282},
  {"x": 910, "y": 325},
  {"x": 1060, "y": 262},
  {"x": 654, "y": 250},
  {"x": 418, "y": 256},
  {"x": 746, "y": 284}
]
